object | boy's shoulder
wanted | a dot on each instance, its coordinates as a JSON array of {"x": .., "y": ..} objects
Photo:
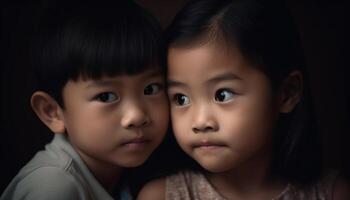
[
  {"x": 50, "y": 173},
  {"x": 42, "y": 183}
]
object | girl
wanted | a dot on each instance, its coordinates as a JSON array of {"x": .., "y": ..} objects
[{"x": 240, "y": 107}]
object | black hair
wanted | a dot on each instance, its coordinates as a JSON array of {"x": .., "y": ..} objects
[
  {"x": 91, "y": 40},
  {"x": 266, "y": 36}
]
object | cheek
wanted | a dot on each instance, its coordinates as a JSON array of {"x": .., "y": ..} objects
[
  {"x": 159, "y": 112},
  {"x": 249, "y": 129},
  {"x": 178, "y": 123},
  {"x": 160, "y": 123},
  {"x": 91, "y": 126},
  {"x": 181, "y": 125}
]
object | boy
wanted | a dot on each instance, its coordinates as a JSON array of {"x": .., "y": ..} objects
[{"x": 101, "y": 92}]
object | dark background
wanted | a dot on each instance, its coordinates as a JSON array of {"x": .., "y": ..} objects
[{"x": 322, "y": 28}]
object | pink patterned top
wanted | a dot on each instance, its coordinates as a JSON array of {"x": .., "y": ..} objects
[{"x": 188, "y": 185}]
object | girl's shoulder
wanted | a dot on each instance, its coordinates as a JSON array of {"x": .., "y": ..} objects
[
  {"x": 154, "y": 189},
  {"x": 332, "y": 185},
  {"x": 335, "y": 186},
  {"x": 341, "y": 189}
]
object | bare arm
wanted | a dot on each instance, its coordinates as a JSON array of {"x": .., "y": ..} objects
[{"x": 154, "y": 190}]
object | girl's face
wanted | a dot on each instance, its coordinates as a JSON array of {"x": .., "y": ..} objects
[{"x": 223, "y": 109}]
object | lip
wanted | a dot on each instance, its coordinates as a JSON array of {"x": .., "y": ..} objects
[
  {"x": 136, "y": 143},
  {"x": 209, "y": 146}
]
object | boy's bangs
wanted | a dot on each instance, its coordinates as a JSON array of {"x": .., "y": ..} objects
[
  {"x": 109, "y": 42},
  {"x": 126, "y": 49}
]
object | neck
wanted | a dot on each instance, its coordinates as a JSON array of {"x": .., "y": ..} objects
[
  {"x": 251, "y": 177},
  {"x": 108, "y": 175}
]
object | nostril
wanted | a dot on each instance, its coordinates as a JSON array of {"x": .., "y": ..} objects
[
  {"x": 145, "y": 123},
  {"x": 208, "y": 128},
  {"x": 136, "y": 123},
  {"x": 195, "y": 130},
  {"x": 202, "y": 129}
]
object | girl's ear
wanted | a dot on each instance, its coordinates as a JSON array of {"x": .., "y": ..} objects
[
  {"x": 291, "y": 91},
  {"x": 49, "y": 111}
]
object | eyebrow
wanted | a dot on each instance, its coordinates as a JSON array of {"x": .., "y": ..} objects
[
  {"x": 95, "y": 84},
  {"x": 224, "y": 77},
  {"x": 215, "y": 79},
  {"x": 173, "y": 83},
  {"x": 105, "y": 83},
  {"x": 153, "y": 73}
]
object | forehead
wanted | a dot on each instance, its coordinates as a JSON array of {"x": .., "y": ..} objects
[
  {"x": 206, "y": 66},
  {"x": 121, "y": 80},
  {"x": 205, "y": 60},
  {"x": 150, "y": 73}
]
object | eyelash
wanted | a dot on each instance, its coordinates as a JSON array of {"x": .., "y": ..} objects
[
  {"x": 227, "y": 91},
  {"x": 106, "y": 97},
  {"x": 159, "y": 87},
  {"x": 102, "y": 97},
  {"x": 176, "y": 97}
]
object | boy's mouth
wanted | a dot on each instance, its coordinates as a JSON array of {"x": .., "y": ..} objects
[{"x": 136, "y": 143}]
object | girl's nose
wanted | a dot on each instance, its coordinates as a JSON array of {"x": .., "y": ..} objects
[
  {"x": 204, "y": 121},
  {"x": 135, "y": 117}
]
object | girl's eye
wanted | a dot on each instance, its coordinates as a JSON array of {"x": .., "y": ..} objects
[
  {"x": 107, "y": 97},
  {"x": 152, "y": 89},
  {"x": 181, "y": 99},
  {"x": 224, "y": 95}
]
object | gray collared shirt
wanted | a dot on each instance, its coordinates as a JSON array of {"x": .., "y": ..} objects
[{"x": 57, "y": 173}]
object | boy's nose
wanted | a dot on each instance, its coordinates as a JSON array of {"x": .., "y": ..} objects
[
  {"x": 134, "y": 118},
  {"x": 204, "y": 121}
]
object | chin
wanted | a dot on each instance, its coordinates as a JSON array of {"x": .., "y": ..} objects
[
  {"x": 216, "y": 167},
  {"x": 133, "y": 162}
]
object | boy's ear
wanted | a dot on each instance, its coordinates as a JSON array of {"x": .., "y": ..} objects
[
  {"x": 49, "y": 111},
  {"x": 291, "y": 91}
]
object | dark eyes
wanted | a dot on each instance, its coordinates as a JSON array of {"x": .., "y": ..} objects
[
  {"x": 152, "y": 89},
  {"x": 107, "y": 97},
  {"x": 181, "y": 99},
  {"x": 223, "y": 95}
]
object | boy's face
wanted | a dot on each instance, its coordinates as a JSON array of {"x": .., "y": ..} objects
[
  {"x": 116, "y": 121},
  {"x": 222, "y": 108}
]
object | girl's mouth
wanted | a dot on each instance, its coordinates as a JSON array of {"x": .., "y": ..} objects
[{"x": 209, "y": 146}]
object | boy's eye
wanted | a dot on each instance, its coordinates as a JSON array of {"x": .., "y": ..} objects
[
  {"x": 181, "y": 99},
  {"x": 152, "y": 89},
  {"x": 107, "y": 97},
  {"x": 224, "y": 95}
]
